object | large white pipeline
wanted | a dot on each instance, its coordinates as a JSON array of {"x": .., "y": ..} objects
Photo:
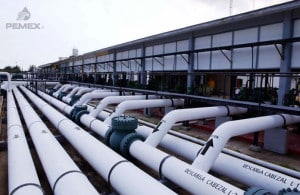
[
  {"x": 79, "y": 92},
  {"x": 193, "y": 180},
  {"x": 137, "y": 104},
  {"x": 110, "y": 165},
  {"x": 245, "y": 172},
  {"x": 63, "y": 174},
  {"x": 61, "y": 88},
  {"x": 70, "y": 87},
  {"x": 8, "y": 87},
  {"x": 85, "y": 90},
  {"x": 72, "y": 92},
  {"x": 184, "y": 175},
  {"x": 235, "y": 168},
  {"x": 22, "y": 176},
  {"x": 174, "y": 116},
  {"x": 227, "y": 130},
  {"x": 94, "y": 95},
  {"x": 117, "y": 99}
]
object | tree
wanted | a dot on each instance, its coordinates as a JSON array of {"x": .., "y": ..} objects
[
  {"x": 32, "y": 68},
  {"x": 15, "y": 69}
]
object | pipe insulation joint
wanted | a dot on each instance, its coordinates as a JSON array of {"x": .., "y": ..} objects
[{"x": 121, "y": 126}]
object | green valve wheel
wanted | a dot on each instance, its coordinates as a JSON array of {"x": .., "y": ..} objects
[{"x": 121, "y": 126}]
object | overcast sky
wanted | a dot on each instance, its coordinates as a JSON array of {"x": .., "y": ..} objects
[{"x": 94, "y": 24}]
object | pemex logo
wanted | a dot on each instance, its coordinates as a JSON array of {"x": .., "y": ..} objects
[
  {"x": 24, "y": 14},
  {"x": 22, "y": 24}
]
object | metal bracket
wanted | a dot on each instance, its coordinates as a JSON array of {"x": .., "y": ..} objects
[
  {"x": 158, "y": 61},
  {"x": 225, "y": 55},
  {"x": 279, "y": 52},
  {"x": 184, "y": 58},
  {"x": 126, "y": 65}
]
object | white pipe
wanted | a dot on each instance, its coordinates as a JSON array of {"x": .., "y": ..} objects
[
  {"x": 193, "y": 180},
  {"x": 55, "y": 87},
  {"x": 69, "y": 95},
  {"x": 84, "y": 90},
  {"x": 66, "y": 89},
  {"x": 183, "y": 174},
  {"x": 240, "y": 170},
  {"x": 63, "y": 174},
  {"x": 8, "y": 87},
  {"x": 117, "y": 99},
  {"x": 137, "y": 104},
  {"x": 56, "y": 93},
  {"x": 110, "y": 165},
  {"x": 180, "y": 147},
  {"x": 290, "y": 172},
  {"x": 188, "y": 114},
  {"x": 227, "y": 130},
  {"x": 22, "y": 176},
  {"x": 94, "y": 95}
]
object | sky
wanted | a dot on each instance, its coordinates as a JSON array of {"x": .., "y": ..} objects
[{"x": 55, "y": 27}]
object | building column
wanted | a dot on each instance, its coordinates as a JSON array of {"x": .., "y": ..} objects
[
  {"x": 143, "y": 75},
  {"x": 190, "y": 71},
  {"x": 114, "y": 74},
  {"x": 285, "y": 65}
]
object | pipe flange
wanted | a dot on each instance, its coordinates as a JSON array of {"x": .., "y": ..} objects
[
  {"x": 77, "y": 109},
  {"x": 124, "y": 123},
  {"x": 127, "y": 141},
  {"x": 257, "y": 191},
  {"x": 79, "y": 114},
  {"x": 74, "y": 99},
  {"x": 107, "y": 135},
  {"x": 61, "y": 95},
  {"x": 51, "y": 91},
  {"x": 289, "y": 191}
]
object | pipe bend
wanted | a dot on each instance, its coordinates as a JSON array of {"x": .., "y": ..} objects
[{"x": 217, "y": 141}]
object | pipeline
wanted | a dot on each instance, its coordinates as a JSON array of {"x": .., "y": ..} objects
[
  {"x": 22, "y": 175},
  {"x": 78, "y": 94},
  {"x": 209, "y": 153},
  {"x": 61, "y": 88},
  {"x": 8, "y": 87},
  {"x": 94, "y": 95},
  {"x": 110, "y": 165},
  {"x": 72, "y": 92},
  {"x": 136, "y": 104},
  {"x": 116, "y": 99},
  {"x": 189, "y": 114},
  {"x": 225, "y": 164},
  {"x": 63, "y": 175},
  {"x": 193, "y": 180}
]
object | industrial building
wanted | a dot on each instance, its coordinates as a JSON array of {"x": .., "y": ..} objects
[{"x": 256, "y": 51}]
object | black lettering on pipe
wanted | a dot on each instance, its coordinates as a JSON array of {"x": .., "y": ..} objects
[{"x": 206, "y": 147}]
